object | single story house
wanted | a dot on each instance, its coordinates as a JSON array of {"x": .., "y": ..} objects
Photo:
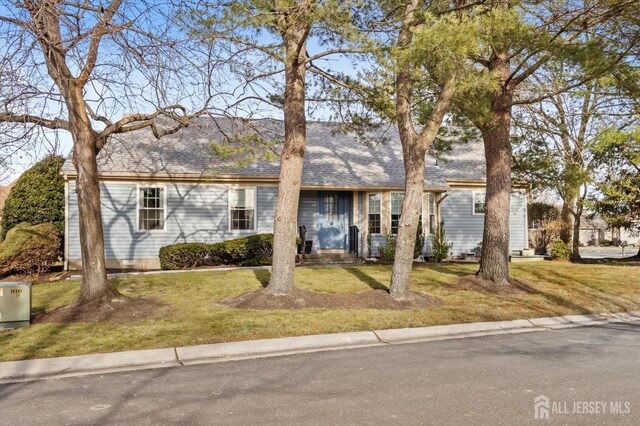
[
  {"x": 594, "y": 230},
  {"x": 176, "y": 189}
]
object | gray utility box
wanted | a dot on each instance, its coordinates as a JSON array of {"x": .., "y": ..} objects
[{"x": 15, "y": 304}]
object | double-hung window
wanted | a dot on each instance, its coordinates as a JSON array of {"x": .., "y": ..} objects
[
  {"x": 242, "y": 209},
  {"x": 478, "y": 202},
  {"x": 432, "y": 213},
  {"x": 375, "y": 211},
  {"x": 151, "y": 208},
  {"x": 396, "y": 209}
]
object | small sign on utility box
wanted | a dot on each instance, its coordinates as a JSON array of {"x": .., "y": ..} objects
[{"x": 15, "y": 304}]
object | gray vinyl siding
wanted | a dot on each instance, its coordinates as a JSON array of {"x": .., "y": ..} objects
[
  {"x": 195, "y": 213},
  {"x": 464, "y": 229},
  {"x": 308, "y": 215}
]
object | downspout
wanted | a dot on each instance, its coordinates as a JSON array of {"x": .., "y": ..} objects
[{"x": 438, "y": 201}]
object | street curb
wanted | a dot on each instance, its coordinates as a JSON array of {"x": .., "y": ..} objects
[
  {"x": 409, "y": 335},
  {"x": 37, "y": 369},
  {"x": 271, "y": 347},
  {"x": 34, "y": 369}
]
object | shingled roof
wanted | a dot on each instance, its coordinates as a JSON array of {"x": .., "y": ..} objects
[{"x": 333, "y": 157}]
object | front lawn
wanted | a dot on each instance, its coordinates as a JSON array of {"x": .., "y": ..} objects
[{"x": 192, "y": 316}]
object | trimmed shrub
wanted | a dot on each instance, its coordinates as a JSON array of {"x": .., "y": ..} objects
[
  {"x": 29, "y": 249},
  {"x": 183, "y": 255},
  {"x": 37, "y": 197},
  {"x": 259, "y": 249},
  {"x": 253, "y": 250},
  {"x": 231, "y": 252},
  {"x": 560, "y": 250}
]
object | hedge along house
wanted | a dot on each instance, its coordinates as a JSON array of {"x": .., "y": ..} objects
[{"x": 160, "y": 192}]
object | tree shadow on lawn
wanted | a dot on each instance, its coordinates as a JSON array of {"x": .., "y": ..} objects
[
  {"x": 48, "y": 338},
  {"x": 367, "y": 279},
  {"x": 445, "y": 268},
  {"x": 581, "y": 290},
  {"x": 263, "y": 276},
  {"x": 553, "y": 298}
]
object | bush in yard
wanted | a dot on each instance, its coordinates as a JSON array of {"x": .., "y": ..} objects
[
  {"x": 231, "y": 252},
  {"x": 560, "y": 250},
  {"x": 37, "y": 197},
  {"x": 441, "y": 246},
  {"x": 29, "y": 249},
  {"x": 183, "y": 255},
  {"x": 259, "y": 249},
  {"x": 252, "y": 250},
  {"x": 387, "y": 252}
]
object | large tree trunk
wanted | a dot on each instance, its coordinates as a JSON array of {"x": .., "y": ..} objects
[
  {"x": 408, "y": 226},
  {"x": 494, "y": 261},
  {"x": 576, "y": 219},
  {"x": 575, "y": 246},
  {"x": 413, "y": 155},
  {"x": 414, "y": 149},
  {"x": 566, "y": 219},
  {"x": 94, "y": 287},
  {"x": 291, "y": 161}
]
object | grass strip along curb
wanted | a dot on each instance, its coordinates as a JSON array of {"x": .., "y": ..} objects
[{"x": 37, "y": 369}]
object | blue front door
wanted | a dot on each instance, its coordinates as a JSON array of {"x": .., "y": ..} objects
[{"x": 332, "y": 219}]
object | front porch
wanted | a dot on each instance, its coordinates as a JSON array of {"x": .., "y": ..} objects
[
  {"x": 329, "y": 223},
  {"x": 336, "y": 222}
]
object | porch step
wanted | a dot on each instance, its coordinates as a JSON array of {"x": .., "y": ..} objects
[{"x": 329, "y": 258}]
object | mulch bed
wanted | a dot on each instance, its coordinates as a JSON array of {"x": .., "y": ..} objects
[
  {"x": 56, "y": 274},
  {"x": 306, "y": 299},
  {"x": 118, "y": 310},
  {"x": 473, "y": 283}
]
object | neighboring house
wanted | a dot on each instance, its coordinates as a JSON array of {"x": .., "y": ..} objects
[
  {"x": 160, "y": 192},
  {"x": 594, "y": 230}
]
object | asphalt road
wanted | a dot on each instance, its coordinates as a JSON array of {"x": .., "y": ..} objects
[
  {"x": 607, "y": 252},
  {"x": 481, "y": 380}
]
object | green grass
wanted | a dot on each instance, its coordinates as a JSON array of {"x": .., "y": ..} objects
[{"x": 192, "y": 316}]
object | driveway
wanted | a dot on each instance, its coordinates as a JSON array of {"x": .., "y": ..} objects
[{"x": 585, "y": 375}]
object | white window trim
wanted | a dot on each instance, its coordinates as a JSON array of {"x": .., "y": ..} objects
[
  {"x": 391, "y": 208},
  {"x": 427, "y": 217},
  {"x": 367, "y": 213},
  {"x": 255, "y": 210},
  {"x": 473, "y": 202},
  {"x": 166, "y": 196}
]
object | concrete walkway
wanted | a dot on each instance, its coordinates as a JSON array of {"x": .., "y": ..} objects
[{"x": 36, "y": 369}]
